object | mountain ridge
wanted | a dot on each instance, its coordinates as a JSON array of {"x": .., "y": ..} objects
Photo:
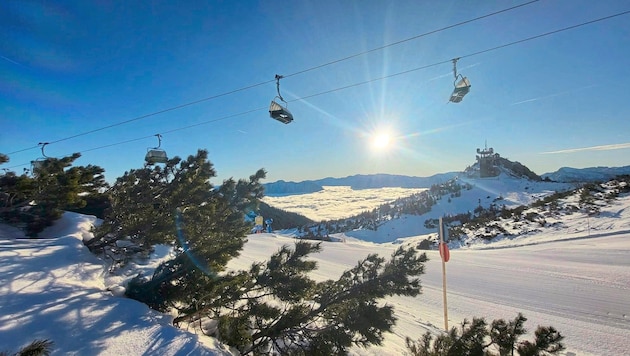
[
  {"x": 357, "y": 181},
  {"x": 590, "y": 174},
  {"x": 383, "y": 180}
]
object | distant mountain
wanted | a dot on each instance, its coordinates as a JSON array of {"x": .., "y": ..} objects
[
  {"x": 490, "y": 166},
  {"x": 461, "y": 198},
  {"x": 359, "y": 181},
  {"x": 593, "y": 174},
  {"x": 371, "y": 181}
]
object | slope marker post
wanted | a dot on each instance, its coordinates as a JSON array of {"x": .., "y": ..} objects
[{"x": 443, "y": 258}]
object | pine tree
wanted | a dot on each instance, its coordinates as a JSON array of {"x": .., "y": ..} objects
[
  {"x": 176, "y": 204},
  {"x": 37, "y": 201},
  {"x": 35, "y": 348},
  {"x": 475, "y": 338},
  {"x": 15, "y": 192},
  {"x": 276, "y": 308},
  {"x": 273, "y": 306}
]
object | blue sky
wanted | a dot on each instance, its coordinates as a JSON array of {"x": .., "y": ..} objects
[{"x": 68, "y": 68}]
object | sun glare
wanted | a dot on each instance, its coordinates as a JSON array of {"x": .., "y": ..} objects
[{"x": 381, "y": 140}]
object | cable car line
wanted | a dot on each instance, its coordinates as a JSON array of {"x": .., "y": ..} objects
[
  {"x": 116, "y": 144},
  {"x": 410, "y": 39},
  {"x": 151, "y": 114},
  {"x": 175, "y": 129},
  {"x": 463, "y": 56},
  {"x": 215, "y": 120},
  {"x": 271, "y": 81},
  {"x": 468, "y": 55},
  {"x": 547, "y": 34},
  {"x": 374, "y": 79}
]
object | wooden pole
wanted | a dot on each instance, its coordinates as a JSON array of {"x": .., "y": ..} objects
[{"x": 443, "y": 277}]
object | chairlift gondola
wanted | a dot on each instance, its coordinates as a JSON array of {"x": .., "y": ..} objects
[
  {"x": 276, "y": 110},
  {"x": 39, "y": 163},
  {"x": 462, "y": 87},
  {"x": 156, "y": 155}
]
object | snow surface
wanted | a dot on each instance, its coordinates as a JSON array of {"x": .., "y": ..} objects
[
  {"x": 340, "y": 202},
  {"x": 53, "y": 288},
  {"x": 575, "y": 278}
]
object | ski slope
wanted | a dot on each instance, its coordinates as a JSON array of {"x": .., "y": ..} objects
[
  {"x": 581, "y": 287},
  {"x": 574, "y": 279}
]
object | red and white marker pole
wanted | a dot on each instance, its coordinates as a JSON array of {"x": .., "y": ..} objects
[{"x": 445, "y": 255}]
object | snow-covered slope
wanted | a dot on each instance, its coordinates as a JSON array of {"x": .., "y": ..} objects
[
  {"x": 343, "y": 202},
  {"x": 54, "y": 288},
  {"x": 576, "y": 279},
  {"x": 373, "y": 181}
]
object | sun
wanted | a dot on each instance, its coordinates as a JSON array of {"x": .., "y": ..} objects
[{"x": 381, "y": 140}]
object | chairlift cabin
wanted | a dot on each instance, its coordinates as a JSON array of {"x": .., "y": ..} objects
[
  {"x": 38, "y": 164},
  {"x": 156, "y": 155},
  {"x": 280, "y": 113},
  {"x": 462, "y": 87},
  {"x": 276, "y": 110}
]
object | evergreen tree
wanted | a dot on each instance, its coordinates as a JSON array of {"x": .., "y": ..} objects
[
  {"x": 282, "y": 219},
  {"x": 273, "y": 307},
  {"x": 176, "y": 204},
  {"x": 505, "y": 334},
  {"x": 55, "y": 186},
  {"x": 35, "y": 348},
  {"x": 476, "y": 338},
  {"x": 15, "y": 192},
  {"x": 276, "y": 308},
  {"x": 586, "y": 198}
]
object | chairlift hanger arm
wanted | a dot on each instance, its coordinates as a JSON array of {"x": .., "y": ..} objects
[
  {"x": 277, "y": 111},
  {"x": 159, "y": 140},
  {"x": 462, "y": 87},
  {"x": 278, "y": 77},
  {"x": 455, "y": 67},
  {"x": 43, "y": 144}
]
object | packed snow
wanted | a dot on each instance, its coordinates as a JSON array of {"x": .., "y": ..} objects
[
  {"x": 54, "y": 288},
  {"x": 575, "y": 277}
]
